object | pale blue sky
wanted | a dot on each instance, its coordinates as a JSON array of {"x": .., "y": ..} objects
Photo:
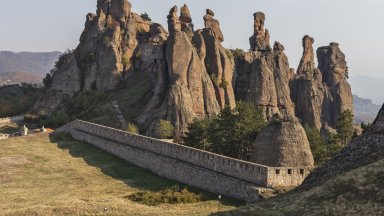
[{"x": 47, "y": 25}]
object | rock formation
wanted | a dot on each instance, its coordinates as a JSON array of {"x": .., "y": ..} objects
[
  {"x": 321, "y": 94},
  {"x": 264, "y": 78},
  {"x": 334, "y": 68},
  {"x": 194, "y": 89},
  {"x": 190, "y": 72},
  {"x": 283, "y": 143},
  {"x": 308, "y": 90}
]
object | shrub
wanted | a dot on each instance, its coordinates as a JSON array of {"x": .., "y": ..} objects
[
  {"x": 166, "y": 196},
  {"x": 164, "y": 130},
  {"x": 145, "y": 17},
  {"x": 132, "y": 128}
]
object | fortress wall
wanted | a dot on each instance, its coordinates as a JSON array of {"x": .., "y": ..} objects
[
  {"x": 212, "y": 172},
  {"x": 175, "y": 169},
  {"x": 4, "y": 136},
  {"x": 248, "y": 171},
  {"x": 11, "y": 119}
]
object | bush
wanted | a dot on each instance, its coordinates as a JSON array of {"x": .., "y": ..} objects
[
  {"x": 164, "y": 130},
  {"x": 145, "y": 17},
  {"x": 318, "y": 146},
  {"x": 132, "y": 128},
  {"x": 166, "y": 196}
]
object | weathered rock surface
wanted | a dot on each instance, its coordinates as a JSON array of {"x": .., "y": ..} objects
[
  {"x": 283, "y": 144},
  {"x": 321, "y": 94},
  {"x": 264, "y": 78},
  {"x": 191, "y": 88},
  {"x": 334, "y": 68},
  {"x": 361, "y": 151}
]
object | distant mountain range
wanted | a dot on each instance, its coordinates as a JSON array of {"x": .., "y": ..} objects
[
  {"x": 365, "y": 110},
  {"x": 25, "y": 66},
  {"x": 368, "y": 87}
]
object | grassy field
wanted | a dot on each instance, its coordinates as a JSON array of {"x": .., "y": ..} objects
[{"x": 67, "y": 177}]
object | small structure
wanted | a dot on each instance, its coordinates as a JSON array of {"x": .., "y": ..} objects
[
  {"x": 24, "y": 131},
  {"x": 43, "y": 130}
]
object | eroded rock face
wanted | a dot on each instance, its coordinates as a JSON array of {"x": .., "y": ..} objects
[
  {"x": 308, "y": 90},
  {"x": 321, "y": 94},
  {"x": 264, "y": 78},
  {"x": 334, "y": 68},
  {"x": 260, "y": 39},
  {"x": 213, "y": 25},
  {"x": 193, "y": 92}
]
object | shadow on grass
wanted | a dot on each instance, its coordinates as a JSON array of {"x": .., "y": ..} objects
[{"x": 121, "y": 170}]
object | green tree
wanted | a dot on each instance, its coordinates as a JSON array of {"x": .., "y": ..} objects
[
  {"x": 47, "y": 81},
  {"x": 197, "y": 135},
  {"x": 231, "y": 133},
  {"x": 145, "y": 17},
  {"x": 318, "y": 146},
  {"x": 164, "y": 130},
  {"x": 344, "y": 127}
]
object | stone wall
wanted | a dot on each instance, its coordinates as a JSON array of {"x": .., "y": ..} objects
[
  {"x": 4, "y": 136},
  {"x": 212, "y": 172},
  {"x": 11, "y": 119}
]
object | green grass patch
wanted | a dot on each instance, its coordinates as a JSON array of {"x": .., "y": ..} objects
[{"x": 166, "y": 196}]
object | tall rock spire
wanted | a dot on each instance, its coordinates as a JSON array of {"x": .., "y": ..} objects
[{"x": 260, "y": 38}]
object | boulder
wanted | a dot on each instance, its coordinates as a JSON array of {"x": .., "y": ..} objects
[{"x": 283, "y": 143}]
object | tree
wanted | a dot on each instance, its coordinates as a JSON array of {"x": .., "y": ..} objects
[
  {"x": 344, "y": 127},
  {"x": 197, "y": 135},
  {"x": 231, "y": 133},
  {"x": 47, "y": 81},
  {"x": 145, "y": 17},
  {"x": 164, "y": 130},
  {"x": 319, "y": 149}
]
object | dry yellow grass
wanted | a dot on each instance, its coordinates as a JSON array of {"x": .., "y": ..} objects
[{"x": 40, "y": 177}]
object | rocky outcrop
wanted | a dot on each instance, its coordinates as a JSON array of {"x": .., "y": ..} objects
[
  {"x": 264, "y": 78},
  {"x": 308, "y": 90},
  {"x": 321, "y": 94},
  {"x": 363, "y": 150},
  {"x": 283, "y": 143},
  {"x": 192, "y": 89},
  {"x": 334, "y": 68}
]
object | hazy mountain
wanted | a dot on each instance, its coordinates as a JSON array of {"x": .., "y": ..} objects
[
  {"x": 365, "y": 110},
  {"x": 368, "y": 87},
  {"x": 25, "y": 66},
  {"x": 10, "y": 78}
]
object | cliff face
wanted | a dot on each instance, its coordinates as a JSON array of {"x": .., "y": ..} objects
[{"x": 321, "y": 94}]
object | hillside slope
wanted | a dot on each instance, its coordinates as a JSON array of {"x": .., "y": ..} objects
[
  {"x": 36, "y": 64},
  {"x": 349, "y": 184}
]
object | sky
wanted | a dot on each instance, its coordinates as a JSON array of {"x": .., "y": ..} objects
[{"x": 357, "y": 25}]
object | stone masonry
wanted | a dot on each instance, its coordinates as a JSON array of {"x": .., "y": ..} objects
[{"x": 211, "y": 172}]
